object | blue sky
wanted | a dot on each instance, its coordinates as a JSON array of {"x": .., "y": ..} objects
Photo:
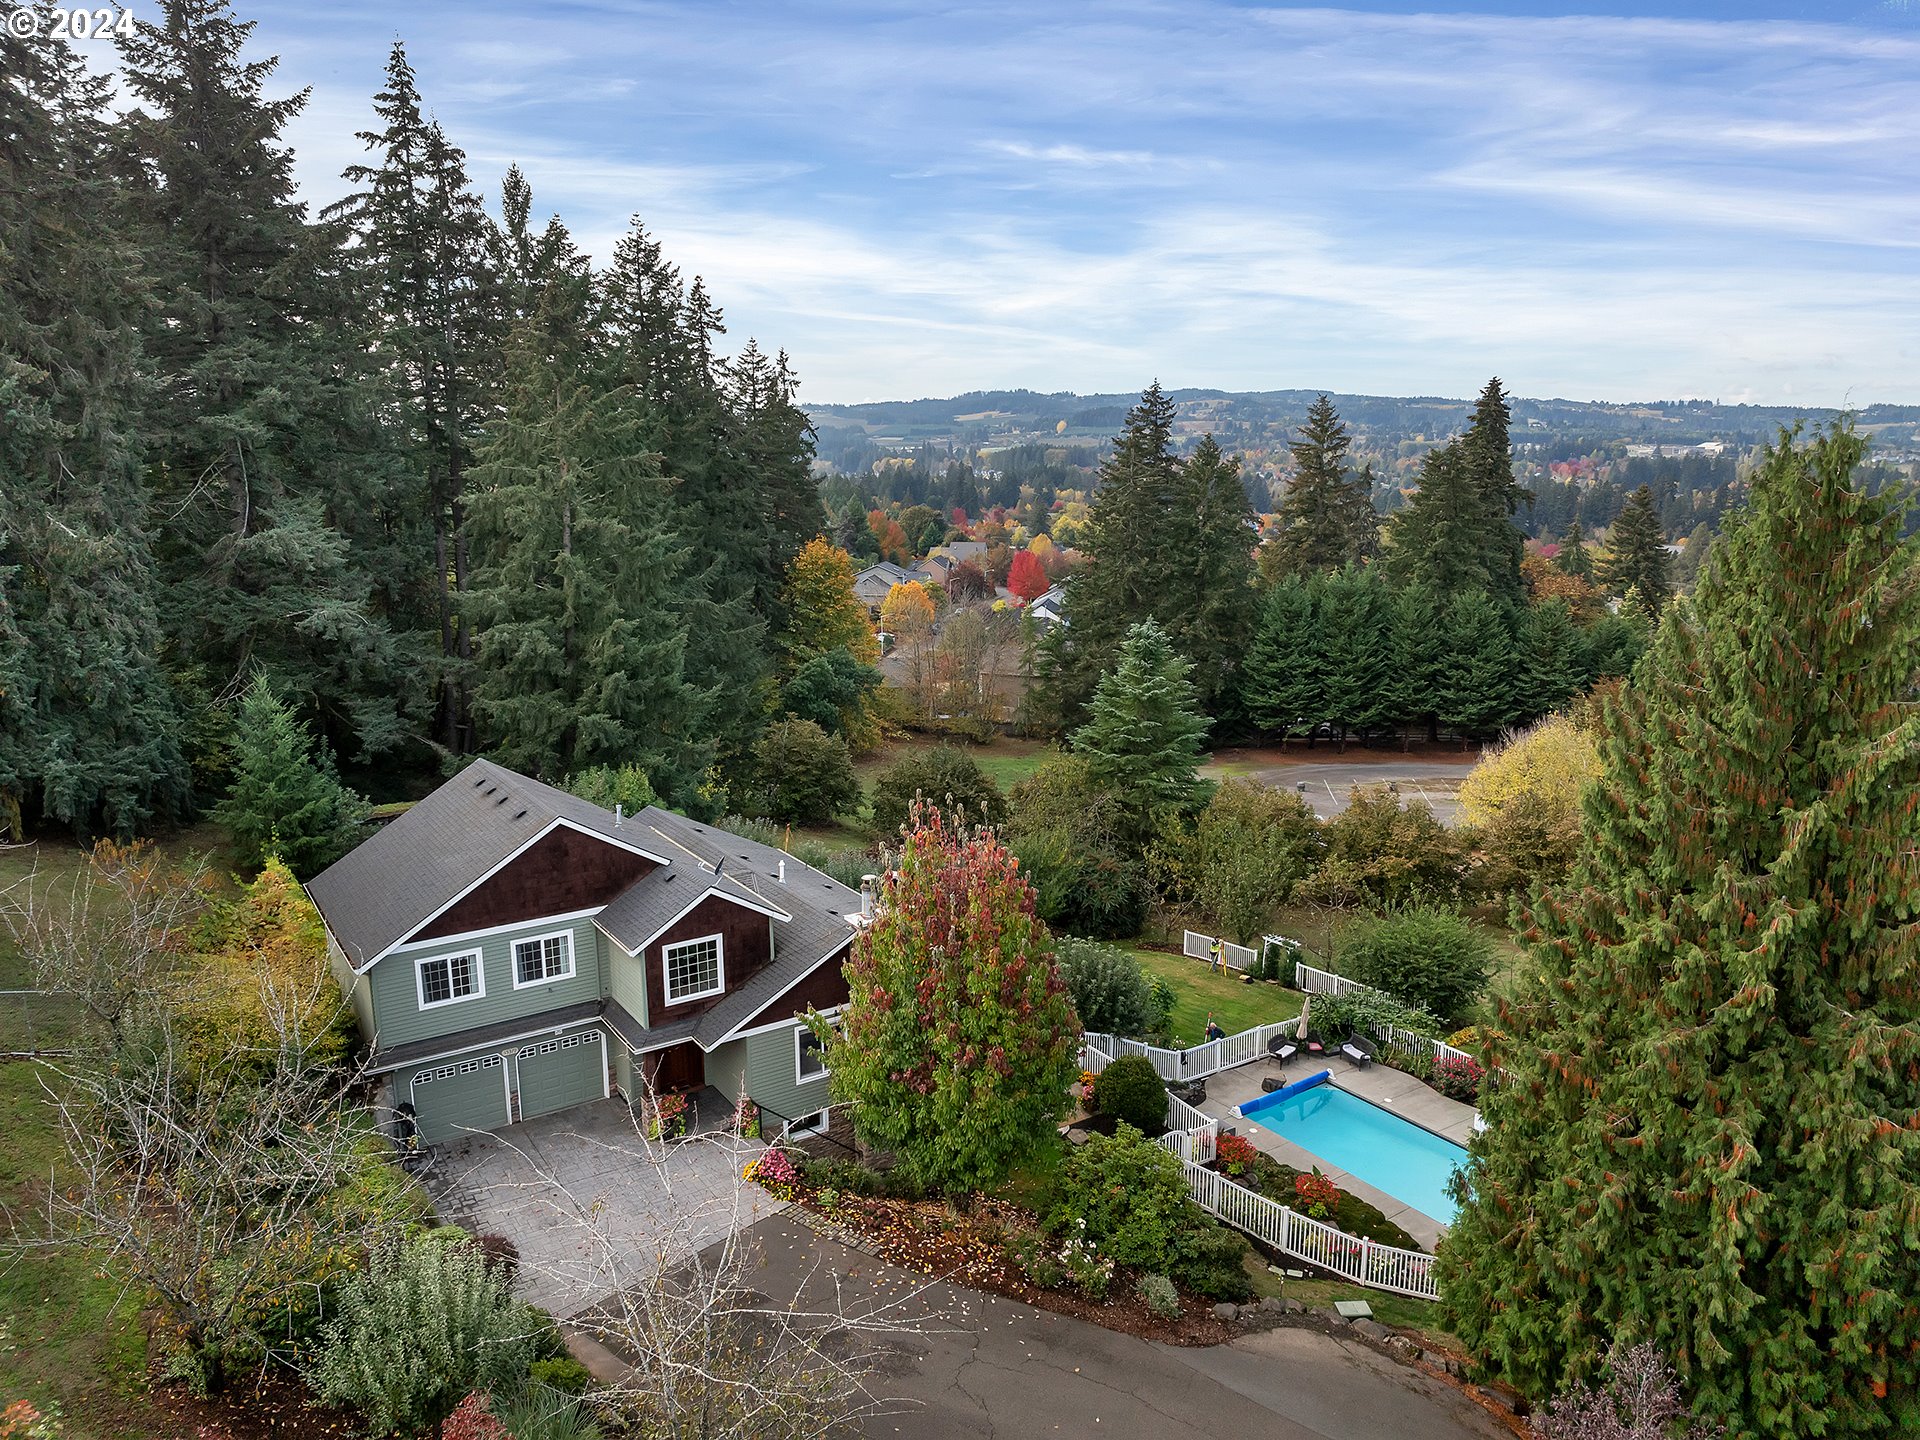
[{"x": 1681, "y": 199}]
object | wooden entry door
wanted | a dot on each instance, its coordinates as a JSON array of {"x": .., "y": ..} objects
[{"x": 682, "y": 1067}]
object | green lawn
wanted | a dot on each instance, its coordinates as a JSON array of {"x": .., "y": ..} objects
[
  {"x": 1400, "y": 1311},
  {"x": 1006, "y": 762},
  {"x": 1199, "y": 991}
]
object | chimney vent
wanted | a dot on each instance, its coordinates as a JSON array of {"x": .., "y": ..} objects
[{"x": 869, "y": 884}]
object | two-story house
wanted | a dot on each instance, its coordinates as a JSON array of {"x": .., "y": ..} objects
[{"x": 511, "y": 950}]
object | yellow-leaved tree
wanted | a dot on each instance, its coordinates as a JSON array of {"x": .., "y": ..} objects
[{"x": 1525, "y": 798}]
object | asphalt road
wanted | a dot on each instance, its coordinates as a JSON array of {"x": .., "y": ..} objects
[
  {"x": 1325, "y": 785},
  {"x": 981, "y": 1365}
]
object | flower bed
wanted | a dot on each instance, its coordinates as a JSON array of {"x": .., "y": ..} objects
[
  {"x": 983, "y": 1249},
  {"x": 1303, "y": 1191}
]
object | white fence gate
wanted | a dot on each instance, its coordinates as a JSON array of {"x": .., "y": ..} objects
[{"x": 1192, "y": 1135}]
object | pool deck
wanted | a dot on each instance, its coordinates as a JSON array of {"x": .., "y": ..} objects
[{"x": 1390, "y": 1089}]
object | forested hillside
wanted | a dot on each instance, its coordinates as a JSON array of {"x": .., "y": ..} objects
[{"x": 435, "y": 479}]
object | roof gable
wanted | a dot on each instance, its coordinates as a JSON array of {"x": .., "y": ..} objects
[{"x": 420, "y": 864}]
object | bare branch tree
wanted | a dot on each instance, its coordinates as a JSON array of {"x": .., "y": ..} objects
[
  {"x": 706, "y": 1350},
  {"x": 111, "y": 937},
  {"x": 1641, "y": 1401}
]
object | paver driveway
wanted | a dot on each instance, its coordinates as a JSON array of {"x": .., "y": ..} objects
[{"x": 589, "y": 1203}]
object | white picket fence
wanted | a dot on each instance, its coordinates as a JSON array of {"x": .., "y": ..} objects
[
  {"x": 1325, "y": 982},
  {"x": 1192, "y": 1135},
  {"x": 1199, "y": 947},
  {"x": 1197, "y": 1060}
]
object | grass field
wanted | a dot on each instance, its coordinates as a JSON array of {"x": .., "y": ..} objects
[
  {"x": 1199, "y": 992},
  {"x": 1006, "y": 762}
]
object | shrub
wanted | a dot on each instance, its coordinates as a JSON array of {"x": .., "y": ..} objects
[
  {"x": 1458, "y": 1077},
  {"x": 846, "y": 1176},
  {"x": 773, "y": 1172},
  {"x": 1417, "y": 1063},
  {"x": 846, "y": 863},
  {"x": 422, "y": 1327},
  {"x": 1641, "y": 1401},
  {"x": 546, "y": 1415},
  {"x": 1425, "y": 957},
  {"x": 1162, "y": 1299},
  {"x": 1109, "y": 988},
  {"x": 1241, "y": 856},
  {"x": 1370, "y": 1012},
  {"x": 1234, "y": 1154},
  {"x": 1131, "y": 1091},
  {"x": 608, "y": 785},
  {"x": 948, "y": 777},
  {"x": 500, "y": 1255},
  {"x": 1084, "y": 1265},
  {"x": 1039, "y": 1263},
  {"x": 1209, "y": 1260},
  {"x": 564, "y": 1374},
  {"x": 1315, "y": 1196},
  {"x": 473, "y": 1419},
  {"x": 805, "y": 775},
  {"x": 1130, "y": 1193},
  {"x": 1380, "y": 852}
]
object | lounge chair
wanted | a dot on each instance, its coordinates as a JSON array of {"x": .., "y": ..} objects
[{"x": 1358, "y": 1049}]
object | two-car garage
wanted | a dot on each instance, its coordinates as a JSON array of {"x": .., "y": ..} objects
[{"x": 475, "y": 1093}]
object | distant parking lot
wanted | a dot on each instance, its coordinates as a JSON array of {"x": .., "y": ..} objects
[{"x": 1327, "y": 784}]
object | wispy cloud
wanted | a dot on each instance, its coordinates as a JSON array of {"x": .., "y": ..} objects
[{"x": 913, "y": 199}]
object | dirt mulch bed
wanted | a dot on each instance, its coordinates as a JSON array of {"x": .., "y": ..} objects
[
  {"x": 930, "y": 1239},
  {"x": 272, "y": 1407}
]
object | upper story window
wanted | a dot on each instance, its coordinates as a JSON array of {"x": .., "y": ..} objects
[
  {"x": 543, "y": 959},
  {"x": 694, "y": 969},
  {"x": 809, "y": 1061},
  {"x": 447, "y": 978}
]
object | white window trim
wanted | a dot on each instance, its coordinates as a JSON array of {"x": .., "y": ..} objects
[
  {"x": 799, "y": 1077},
  {"x": 822, "y": 1118},
  {"x": 719, "y": 965},
  {"x": 479, "y": 991},
  {"x": 513, "y": 952}
]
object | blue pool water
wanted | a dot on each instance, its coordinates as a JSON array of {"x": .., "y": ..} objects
[{"x": 1371, "y": 1144}]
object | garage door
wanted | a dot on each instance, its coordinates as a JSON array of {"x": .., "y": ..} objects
[
  {"x": 557, "y": 1073},
  {"x": 460, "y": 1096}
]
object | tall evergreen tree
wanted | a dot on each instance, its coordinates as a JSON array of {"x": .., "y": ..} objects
[
  {"x": 1435, "y": 539},
  {"x": 1356, "y": 636},
  {"x": 285, "y": 799},
  {"x": 1420, "y": 656},
  {"x": 1326, "y": 521},
  {"x": 1574, "y": 557},
  {"x": 579, "y": 651},
  {"x": 1552, "y": 659},
  {"x": 423, "y": 251},
  {"x": 90, "y": 734},
  {"x": 1707, "y": 1140},
  {"x": 266, "y": 431},
  {"x": 1487, "y": 452},
  {"x": 1144, "y": 729},
  {"x": 1283, "y": 683},
  {"x": 1212, "y": 623},
  {"x": 1637, "y": 553},
  {"x": 1480, "y": 692}
]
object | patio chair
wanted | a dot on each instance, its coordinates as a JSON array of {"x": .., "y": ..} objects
[
  {"x": 1358, "y": 1049},
  {"x": 1316, "y": 1043},
  {"x": 1283, "y": 1048}
]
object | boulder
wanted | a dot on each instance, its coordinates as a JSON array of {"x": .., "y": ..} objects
[{"x": 1224, "y": 1311}]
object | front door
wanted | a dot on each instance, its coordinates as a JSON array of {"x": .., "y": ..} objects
[{"x": 682, "y": 1067}]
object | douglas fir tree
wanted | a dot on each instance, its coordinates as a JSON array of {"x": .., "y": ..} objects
[{"x": 1710, "y": 1137}]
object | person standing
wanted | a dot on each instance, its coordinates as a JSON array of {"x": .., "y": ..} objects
[{"x": 1214, "y": 952}]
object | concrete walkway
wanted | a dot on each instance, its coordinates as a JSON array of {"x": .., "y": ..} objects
[
  {"x": 588, "y": 1202},
  {"x": 975, "y": 1364},
  {"x": 1390, "y": 1089}
]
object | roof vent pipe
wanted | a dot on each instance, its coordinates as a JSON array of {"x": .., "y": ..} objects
[
  {"x": 868, "y": 884},
  {"x": 783, "y": 869},
  {"x": 617, "y": 808}
]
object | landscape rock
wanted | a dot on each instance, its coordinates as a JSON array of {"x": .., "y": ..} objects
[
  {"x": 1273, "y": 1303},
  {"x": 1292, "y": 1307},
  {"x": 1505, "y": 1399},
  {"x": 1224, "y": 1311},
  {"x": 1373, "y": 1329}
]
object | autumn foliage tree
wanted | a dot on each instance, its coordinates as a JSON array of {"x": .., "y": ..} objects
[
  {"x": 1027, "y": 577},
  {"x": 822, "y": 612},
  {"x": 959, "y": 1039}
]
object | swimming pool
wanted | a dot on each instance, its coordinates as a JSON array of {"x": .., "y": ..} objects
[{"x": 1390, "y": 1154}]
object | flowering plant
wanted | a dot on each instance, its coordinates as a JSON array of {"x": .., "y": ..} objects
[
  {"x": 1234, "y": 1154},
  {"x": 1085, "y": 1265},
  {"x": 1458, "y": 1077},
  {"x": 1087, "y": 1077},
  {"x": 21, "y": 1421},
  {"x": 746, "y": 1119},
  {"x": 1317, "y": 1195},
  {"x": 667, "y": 1117},
  {"x": 773, "y": 1172},
  {"x": 473, "y": 1420}
]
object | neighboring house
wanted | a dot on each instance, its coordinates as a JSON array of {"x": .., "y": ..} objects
[
  {"x": 943, "y": 560},
  {"x": 1050, "y": 608},
  {"x": 511, "y": 950},
  {"x": 873, "y": 584}
]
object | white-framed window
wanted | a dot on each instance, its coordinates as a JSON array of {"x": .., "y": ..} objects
[
  {"x": 809, "y": 1059},
  {"x": 694, "y": 969},
  {"x": 543, "y": 959},
  {"x": 814, "y": 1124},
  {"x": 449, "y": 979}
]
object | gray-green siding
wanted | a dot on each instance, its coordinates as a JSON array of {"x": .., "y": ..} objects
[
  {"x": 355, "y": 989},
  {"x": 767, "y": 1062},
  {"x": 626, "y": 977},
  {"x": 396, "y": 1006}
]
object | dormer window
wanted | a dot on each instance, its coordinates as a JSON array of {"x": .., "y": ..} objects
[{"x": 694, "y": 969}]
